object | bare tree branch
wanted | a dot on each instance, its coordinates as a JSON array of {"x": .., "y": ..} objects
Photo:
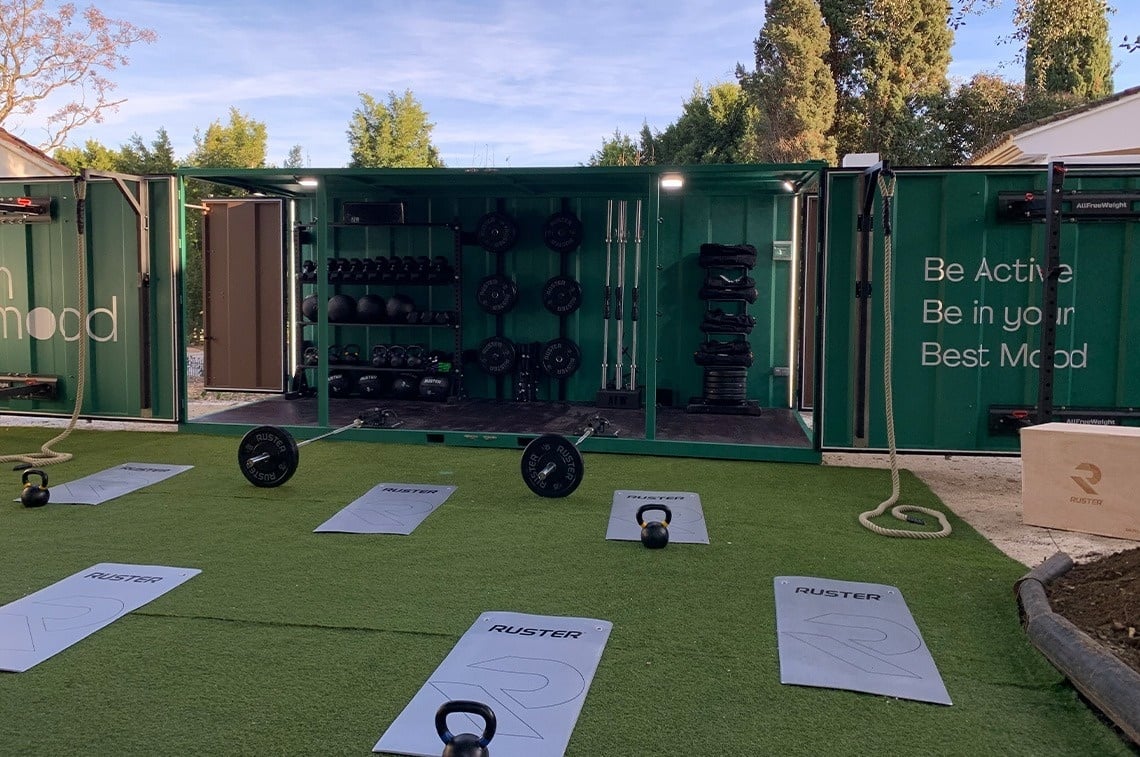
[{"x": 49, "y": 52}]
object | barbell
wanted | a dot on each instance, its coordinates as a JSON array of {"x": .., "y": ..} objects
[
  {"x": 268, "y": 456},
  {"x": 552, "y": 464}
]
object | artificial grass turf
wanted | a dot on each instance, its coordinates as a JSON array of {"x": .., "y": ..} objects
[{"x": 291, "y": 642}]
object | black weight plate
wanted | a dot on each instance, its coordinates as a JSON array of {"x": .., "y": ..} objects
[
  {"x": 726, "y": 386},
  {"x": 562, "y": 232},
  {"x": 497, "y": 355},
  {"x": 282, "y": 460},
  {"x": 560, "y": 357},
  {"x": 567, "y": 471},
  {"x": 726, "y": 373},
  {"x": 496, "y": 294},
  {"x": 562, "y": 295},
  {"x": 496, "y": 232}
]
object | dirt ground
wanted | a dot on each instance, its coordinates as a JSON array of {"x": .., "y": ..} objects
[{"x": 1102, "y": 598}]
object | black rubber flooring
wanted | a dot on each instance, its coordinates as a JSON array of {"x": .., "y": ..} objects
[{"x": 772, "y": 427}]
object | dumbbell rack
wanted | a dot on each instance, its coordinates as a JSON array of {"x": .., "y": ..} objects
[
  {"x": 724, "y": 386},
  {"x": 303, "y": 236}
]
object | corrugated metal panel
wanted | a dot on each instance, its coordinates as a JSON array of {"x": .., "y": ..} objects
[{"x": 966, "y": 320}]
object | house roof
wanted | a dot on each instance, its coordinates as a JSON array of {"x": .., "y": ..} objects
[
  {"x": 42, "y": 163},
  {"x": 1010, "y": 147}
]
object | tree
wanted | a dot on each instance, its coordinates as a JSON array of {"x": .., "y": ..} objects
[
  {"x": 52, "y": 54},
  {"x": 94, "y": 155},
  {"x": 1067, "y": 49},
  {"x": 620, "y": 150},
  {"x": 396, "y": 134},
  {"x": 710, "y": 128},
  {"x": 295, "y": 158},
  {"x": 791, "y": 95},
  {"x": 884, "y": 55},
  {"x": 156, "y": 158},
  {"x": 239, "y": 144}
]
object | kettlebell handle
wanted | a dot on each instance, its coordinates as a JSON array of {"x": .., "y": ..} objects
[
  {"x": 654, "y": 506},
  {"x": 43, "y": 484},
  {"x": 467, "y": 706}
]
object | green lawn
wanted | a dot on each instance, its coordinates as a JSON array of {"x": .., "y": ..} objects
[{"x": 291, "y": 642}]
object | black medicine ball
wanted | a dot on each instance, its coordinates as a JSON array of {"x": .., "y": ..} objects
[
  {"x": 371, "y": 308},
  {"x": 309, "y": 307},
  {"x": 342, "y": 308}
]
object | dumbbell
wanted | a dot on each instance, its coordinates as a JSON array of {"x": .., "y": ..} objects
[
  {"x": 268, "y": 455},
  {"x": 552, "y": 465}
]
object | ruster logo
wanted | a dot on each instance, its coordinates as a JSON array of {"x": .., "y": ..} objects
[{"x": 1086, "y": 482}]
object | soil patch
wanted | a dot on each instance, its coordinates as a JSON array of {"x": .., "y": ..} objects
[{"x": 1102, "y": 598}]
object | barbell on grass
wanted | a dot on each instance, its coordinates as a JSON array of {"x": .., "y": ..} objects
[
  {"x": 552, "y": 465},
  {"x": 269, "y": 455}
]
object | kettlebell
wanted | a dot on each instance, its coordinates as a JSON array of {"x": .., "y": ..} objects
[
  {"x": 465, "y": 744},
  {"x": 35, "y": 495},
  {"x": 655, "y": 533}
]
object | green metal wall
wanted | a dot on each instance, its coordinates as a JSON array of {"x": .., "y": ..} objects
[
  {"x": 944, "y": 218},
  {"x": 38, "y": 265}
]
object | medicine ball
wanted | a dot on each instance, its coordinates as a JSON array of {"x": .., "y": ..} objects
[
  {"x": 405, "y": 386},
  {"x": 340, "y": 384},
  {"x": 370, "y": 385},
  {"x": 398, "y": 307},
  {"x": 309, "y": 308},
  {"x": 371, "y": 308},
  {"x": 435, "y": 387},
  {"x": 342, "y": 308}
]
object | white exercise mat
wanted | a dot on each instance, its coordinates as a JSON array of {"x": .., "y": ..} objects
[
  {"x": 49, "y": 621},
  {"x": 388, "y": 509},
  {"x": 854, "y": 636},
  {"x": 533, "y": 671},
  {"x": 111, "y": 483},
  {"x": 686, "y": 527}
]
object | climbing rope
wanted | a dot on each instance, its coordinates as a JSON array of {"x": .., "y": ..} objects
[
  {"x": 47, "y": 456},
  {"x": 887, "y": 188}
]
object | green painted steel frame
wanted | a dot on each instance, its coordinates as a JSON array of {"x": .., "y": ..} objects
[{"x": 589, "y": 185}]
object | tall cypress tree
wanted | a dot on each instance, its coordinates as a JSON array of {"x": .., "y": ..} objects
[
  {"x": 791, "y": 95},
  {"x": 884, "y": 54},
  {"x": 1067, "y": 49}
]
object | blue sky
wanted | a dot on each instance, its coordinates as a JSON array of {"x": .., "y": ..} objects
[{"x": 507, "y": 82}]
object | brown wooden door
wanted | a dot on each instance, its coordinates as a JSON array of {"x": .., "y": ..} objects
[{"x": 244, "y": 283}]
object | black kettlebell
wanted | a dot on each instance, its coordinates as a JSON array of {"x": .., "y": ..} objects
[
  {"x": 655, "y": 533},
  {"x": 35, "y": 495},
  {"x": 465, "y": 744}
]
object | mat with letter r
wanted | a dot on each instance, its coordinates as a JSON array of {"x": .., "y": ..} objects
[
  {"x": 533, "y": 671},
  {"x": 113, "y": 482},
  {"x": 42, "y": 624},
  {"x": 388, "y": 509},
  {"x": 686, "y": 522},
  {"x": 854, "y": 636}
]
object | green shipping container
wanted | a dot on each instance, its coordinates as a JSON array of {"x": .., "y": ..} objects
[{"x": 967, "y": 312}]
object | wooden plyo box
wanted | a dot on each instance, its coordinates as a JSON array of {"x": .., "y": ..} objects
[{"x": 1082, "y": 477}]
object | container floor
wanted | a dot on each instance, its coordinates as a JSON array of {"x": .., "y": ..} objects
[{"x": 772, "y": 427}]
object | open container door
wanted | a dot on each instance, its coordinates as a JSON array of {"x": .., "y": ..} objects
[
  {"x": 123, "y": 225},
  {"x": 244, "y": 297}
]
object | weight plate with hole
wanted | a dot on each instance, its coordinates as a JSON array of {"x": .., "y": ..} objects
[
  {"x": 497, "y": 355},
  {"x": 552, "y": 466},
  {"x": 562, "y": 295},
  {"x": 281, "y": 456},
  {"x": 496, "y": 232},
  {"x": 496, "y": 293},
  {"x": 562, "y": 232},
  {"x": 560, "y": 357}
]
